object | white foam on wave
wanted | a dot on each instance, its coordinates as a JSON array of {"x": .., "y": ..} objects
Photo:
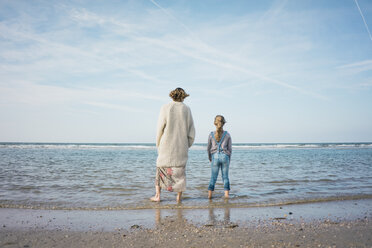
[
  {"x": 77, "y": 146},
  {"x": 302, "y": 146},
  {"x": 275, "y": 146},
  {"x": 198, "y": 147},
  {"x": 145, "y": 146}
]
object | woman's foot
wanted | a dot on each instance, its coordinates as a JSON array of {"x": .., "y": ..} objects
[
  {"x": 179, "y": 197},
  {"x": 155, "y": 198},
  {"x": 210, "y": 194},
  {"x": 227, "y": 194}
]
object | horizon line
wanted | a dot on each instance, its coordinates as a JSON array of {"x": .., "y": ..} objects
[{"x": 196, "y": 143}]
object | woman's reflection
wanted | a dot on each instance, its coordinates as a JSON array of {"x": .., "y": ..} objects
[{"x": 158, "y": 219}]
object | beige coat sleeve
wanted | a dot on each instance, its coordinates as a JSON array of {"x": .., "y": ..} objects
[
  {"x": 162, "y": 122},
  {"x": 191, "y": 134}
]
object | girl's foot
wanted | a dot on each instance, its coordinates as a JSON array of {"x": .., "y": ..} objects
[
  {"x": 209, "y": 194},
  {"x": 155, "y": 199},
  {"x": 226, "y": 194}
]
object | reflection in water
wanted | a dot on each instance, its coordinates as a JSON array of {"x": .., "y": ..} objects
[
  {"x": 212, "y": 210},
  {"x": 212, "y": 216},
  {"x": 158, "y": 218},
  {"x": 215, "y": 216}
]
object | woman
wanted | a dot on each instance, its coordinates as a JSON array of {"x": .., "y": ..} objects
[{"x": 175, "y": 135}]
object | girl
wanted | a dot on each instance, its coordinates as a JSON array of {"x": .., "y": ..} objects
[{"x": 219, "y": 153}]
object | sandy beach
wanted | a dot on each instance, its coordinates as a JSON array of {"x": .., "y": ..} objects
[{"x": 327, "y": 224}]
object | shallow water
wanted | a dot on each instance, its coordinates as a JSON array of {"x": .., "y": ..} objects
[{"x": 121, "y": 176}]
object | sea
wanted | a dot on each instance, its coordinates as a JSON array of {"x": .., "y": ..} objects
[{"x": 109, "y": 176}]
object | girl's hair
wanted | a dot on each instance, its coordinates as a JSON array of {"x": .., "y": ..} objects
[
  {"x": 223, "y": 118},
  {"x": 178, "y": 94}
]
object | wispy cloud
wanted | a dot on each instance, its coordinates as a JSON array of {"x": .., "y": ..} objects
[
  {"x": 272, "y": 13},
  {"x": 357, "y": 67},
  {"x": 218, "y": 60},
  {"x": 364, "y": 20},
  {"x": 96, "y": 57},
  {"x": 208, "y": 54},
  {"x": 54, "y": 55},
  {"x": 87, "y": 18},
  {"x": 190, "y": 32},
  {"x": 76, "y": 59},
  {"x": 367, "y": 84},
  {"x": 32, "y": 94},
  {"x": 115, "y": 107}
]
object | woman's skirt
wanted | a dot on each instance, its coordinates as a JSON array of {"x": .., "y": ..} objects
[{"x": 171, "y": 178}]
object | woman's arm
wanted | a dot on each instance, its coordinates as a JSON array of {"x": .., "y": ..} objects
[
  {"x": 162, "y": 121},
  {"x": 191, "y": 131}
]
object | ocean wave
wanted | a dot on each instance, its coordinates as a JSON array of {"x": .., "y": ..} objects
[
  {"x": 302, "y": 146},
  {"x": 289, "y": 181},
  {"x": 81, "y": 146},
  {"x": 198, "y": 146}
]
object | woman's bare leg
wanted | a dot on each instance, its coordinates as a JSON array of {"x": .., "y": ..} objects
[
  {"x": 156, "y": 198},
  {"x": 179, "y": 196}
]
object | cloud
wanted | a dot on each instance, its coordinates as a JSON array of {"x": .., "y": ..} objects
[
  {"x": 126, "y": 56},
  {"x": 115, "y": 107},
  {"x": 272, "y": 13},
  {"x": 87, "y": 18},
  {"x": 357, "y": 67},
  {"x": 31, "y": 94},
  {"x": 218, "y": 60},
  {"x": 137, "y": 49},
  {"x": 53, "y": 55},
  {"x": 190, "y": 32},
  {"x": 204, "y": 52},
  {"x": 364, "y": 21}
]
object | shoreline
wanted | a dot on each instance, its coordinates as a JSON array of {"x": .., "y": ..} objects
[
  {"x": 218, "y": 201},
  {"x": 108, "y": 220},
  {"x": 338, "y": 223}
]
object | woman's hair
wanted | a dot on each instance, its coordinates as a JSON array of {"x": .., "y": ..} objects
[
  {"x": 223, "y": 118},
  {"x": 178, "y": 94}
]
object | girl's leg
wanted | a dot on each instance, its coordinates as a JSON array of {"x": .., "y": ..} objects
[
  {"x": 227, "y": 193},
  {"x": 225, "y": 175},
  {"x": 214, "y": 175},
  {"x": 210, "y": 194}
]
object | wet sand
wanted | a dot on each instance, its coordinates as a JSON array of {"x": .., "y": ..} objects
[{"x": 329, "y": 224}]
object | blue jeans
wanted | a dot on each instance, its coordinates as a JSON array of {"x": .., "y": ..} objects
[{"x": 220, "y": 161}]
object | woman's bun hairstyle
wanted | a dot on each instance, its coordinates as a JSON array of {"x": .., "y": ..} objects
[{"x": 178, "y": 95}]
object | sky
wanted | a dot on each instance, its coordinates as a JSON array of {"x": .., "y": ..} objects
[{"x": 283, "y": 71}]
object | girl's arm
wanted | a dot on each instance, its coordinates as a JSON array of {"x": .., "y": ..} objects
[
  {"x": 229, "y": 146},
  {"x": 209, "y": 147}
]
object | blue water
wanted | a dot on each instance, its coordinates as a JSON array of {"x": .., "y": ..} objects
[{"x": 121, "y": 176}]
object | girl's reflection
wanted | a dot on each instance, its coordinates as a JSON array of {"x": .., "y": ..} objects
[{"x": 212, "y": 216}]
